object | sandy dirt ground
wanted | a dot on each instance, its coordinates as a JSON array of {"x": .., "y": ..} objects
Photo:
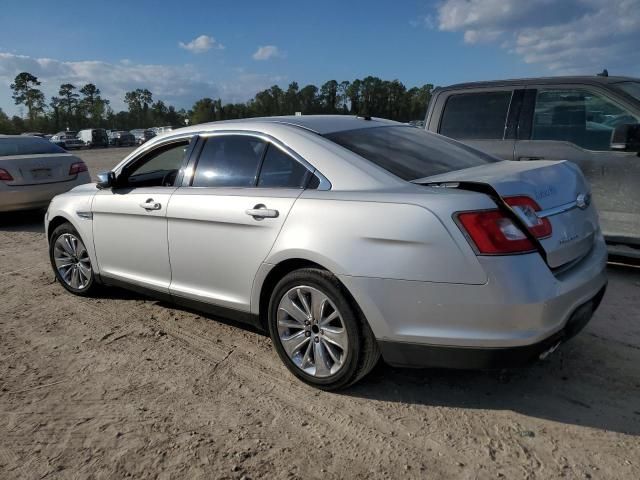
[{"x": 123, "y": 386}]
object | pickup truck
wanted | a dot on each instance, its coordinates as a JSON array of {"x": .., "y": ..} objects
[{"x": 593, "y": 121}]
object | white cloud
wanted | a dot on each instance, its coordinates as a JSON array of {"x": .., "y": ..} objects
[
  {"x": 266, "y": 52},
  {"x": 234, "y": 90},
  {"x": 572, "y": 36},
  {"x": 178, "y": 85},
  {"x": 201, "y": 44},
  {"x": 425, "y": 21}
]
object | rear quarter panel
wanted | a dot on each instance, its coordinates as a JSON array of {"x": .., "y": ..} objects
[{"x": 404, "y": 241}]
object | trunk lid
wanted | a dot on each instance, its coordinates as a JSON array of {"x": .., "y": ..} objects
[
  {"x": 559, "y": 188},
  {"x": 39, "y": 168}
]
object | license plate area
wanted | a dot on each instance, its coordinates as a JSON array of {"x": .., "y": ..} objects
[{"x": 41, "y": 173}]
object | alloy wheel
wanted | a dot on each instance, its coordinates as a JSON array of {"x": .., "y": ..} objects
[
  {"x": 72, "y": 261},
  {"x": 312, "y": 331}
]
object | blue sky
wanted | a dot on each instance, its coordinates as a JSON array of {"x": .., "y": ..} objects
[{"x": 186, "y": 50}]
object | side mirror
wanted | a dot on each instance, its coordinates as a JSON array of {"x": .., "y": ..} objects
[
  {"x": 626, "y": 138},
  {"x": 106, "y": 180}
]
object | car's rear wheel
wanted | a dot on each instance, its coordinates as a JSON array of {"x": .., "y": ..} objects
[
  {"x": 318, "y": 331},
  {"x": 70, "y": 260}
]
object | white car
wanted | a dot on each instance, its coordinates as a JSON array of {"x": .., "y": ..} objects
[
  {"x": 93, "y": 137},
  {"x": 67, "y": 140},
  {"x": 345, "y": 238},
  {"x": 34, "y": 170}
]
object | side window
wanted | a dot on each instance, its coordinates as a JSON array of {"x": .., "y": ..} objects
[
  {"x": 159, "y": 168},
  {"x": 229, "y": 161},
  {"x": 480, "y": 116},
  {"x": 578, "y": 116},
  {"x": 280, "y": 170}
]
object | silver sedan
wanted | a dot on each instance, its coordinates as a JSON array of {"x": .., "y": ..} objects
[
  {"x": 34, "y": 170},
  {"x": 347, "y": 239}
]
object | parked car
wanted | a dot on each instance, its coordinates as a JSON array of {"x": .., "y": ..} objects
[
  {"x": 34, "y": 170},
  {"x": 142, "y": 135},
  {"x": 161, "y": 130},
  {"x": 345, "y": 238},
  {"x": 121, "y": 138},
  {"x": 67, "y": 140},
  {"x": 591, "y": 121},
  {"x": 94, "y": 137}
]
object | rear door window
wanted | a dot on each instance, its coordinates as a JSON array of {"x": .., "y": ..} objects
[
  {"x": 476, "y": 116},
  {"x": 578, "y": 116},
  {"x": 229, "y": 161},
  {"x": 280, "y": 170}
]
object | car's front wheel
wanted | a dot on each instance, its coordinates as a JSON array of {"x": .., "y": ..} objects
[
  {"x": 318, "y": 331},
  {"x": 70, "y": 260}
]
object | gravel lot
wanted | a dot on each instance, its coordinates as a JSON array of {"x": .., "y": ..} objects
[{"x": 126, "y": 386}]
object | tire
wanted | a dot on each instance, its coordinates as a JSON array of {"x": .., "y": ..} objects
[
  {"x": 330, "y": 348},
  {"x": 66, "y": 247}
]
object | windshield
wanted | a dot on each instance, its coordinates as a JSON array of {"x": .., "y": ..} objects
[
  {"x": 631, "y": 88},
  {"x": 27, "y": 146},
  {"x": 410, "y": 153}
]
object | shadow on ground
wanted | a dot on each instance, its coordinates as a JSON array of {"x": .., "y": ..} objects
[
  {"x": 24, "y": 221},
  {"x": 117, "y": 293},
  {"x": 593, "y": 380}
]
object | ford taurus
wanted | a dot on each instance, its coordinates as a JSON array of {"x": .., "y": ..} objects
[{"x": 347, "y": 239}]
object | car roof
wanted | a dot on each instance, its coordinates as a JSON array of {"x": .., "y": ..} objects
[
  {"x": 587, "y": 79},
  {"x": 321, "y": 124},
  {"x": 23, "y": 137}
]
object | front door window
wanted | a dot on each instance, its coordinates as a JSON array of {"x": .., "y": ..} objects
[{"x": 578, "y": 116}]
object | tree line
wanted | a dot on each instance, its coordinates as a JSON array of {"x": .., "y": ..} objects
[{"x": 76, "y": 107}]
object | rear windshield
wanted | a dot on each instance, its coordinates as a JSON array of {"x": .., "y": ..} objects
[
  {"x": 410, "y": 153},
  {"x": 27, "y": 146}
]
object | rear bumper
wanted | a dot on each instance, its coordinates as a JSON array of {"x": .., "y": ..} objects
[
  {"x": 522, "y": 304},
  {"x": 28, "y": 197},
  {"x": 437, "y": 356}
]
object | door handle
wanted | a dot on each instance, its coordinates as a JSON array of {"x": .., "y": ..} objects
[
  {"x": 260, "y": 211},
  {"x": 530, "y": 159},
  {"x": 151, "y": 205}
]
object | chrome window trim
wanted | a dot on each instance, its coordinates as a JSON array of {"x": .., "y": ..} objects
[
  {"x": 324, "y": 184},
  {"x": 135, "y": 155}
]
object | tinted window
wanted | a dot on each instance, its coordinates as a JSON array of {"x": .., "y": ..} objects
[
  {"x": 27, "y": 146},
  {"x": 229, "y": 161},
  {"x": 475, "y": 115},
  {"x": 632, "y": 88},
  {"x": 410, "y": 153},
  {"x": 279, "y": 170},
  {"x": 578, "y": 116},
  {"x": 158, "y": 168}
]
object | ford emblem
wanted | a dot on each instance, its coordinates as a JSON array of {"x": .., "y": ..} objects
[{"x": 583, "y": 200}]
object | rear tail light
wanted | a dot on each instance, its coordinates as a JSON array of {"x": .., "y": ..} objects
[
  {"x": 526, "y": 209},
  {"x": 494, "y": 233},
  {"x": 5, "y": 176},
  {"x": 77, "y": 167}
]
